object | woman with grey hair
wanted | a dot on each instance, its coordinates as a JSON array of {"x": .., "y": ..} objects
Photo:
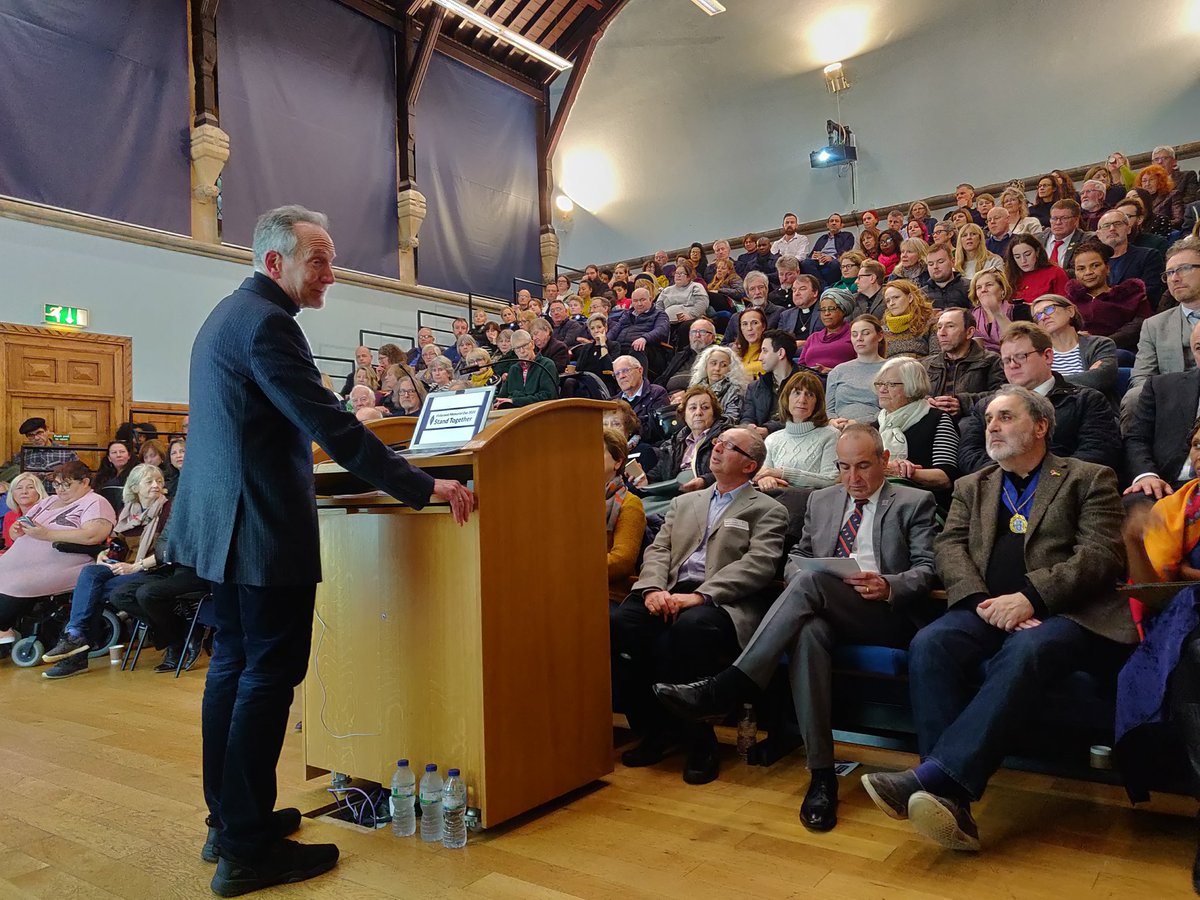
[
  {"x": 831, "y": 345},
  {"x": 922, "y": 441},
  {"x": 719, "y": 368},
  {"x": 441, "y": 375}
]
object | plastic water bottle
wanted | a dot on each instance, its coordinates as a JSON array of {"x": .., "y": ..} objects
[
  {"x": 404, "y": 789},
  {"x": 454, "y": 811},
  {"x": 431, "y": 804},
  {"x": 747, "y": 732}
]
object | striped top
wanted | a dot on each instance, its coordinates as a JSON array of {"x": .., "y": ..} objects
[{"x": 1067, "y": 362}]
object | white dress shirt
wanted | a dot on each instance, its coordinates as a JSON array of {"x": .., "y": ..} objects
[{"x": 864, "y": 545}]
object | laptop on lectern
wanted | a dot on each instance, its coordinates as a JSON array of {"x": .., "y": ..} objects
[{"x": 449, "y": 420}]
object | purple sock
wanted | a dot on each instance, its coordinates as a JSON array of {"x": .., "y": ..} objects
[{"x": 937, "y": 782}]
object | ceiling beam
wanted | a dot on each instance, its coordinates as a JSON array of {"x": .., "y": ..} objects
[
  {"x": 572, "y": 91},
  {"x": 420, "y": 63},
  {"x": 204, "y": 62}
]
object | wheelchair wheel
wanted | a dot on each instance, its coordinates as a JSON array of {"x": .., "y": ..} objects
[
  {"x": 110, "y": 633},
  {"x": 27, "y": 652}
]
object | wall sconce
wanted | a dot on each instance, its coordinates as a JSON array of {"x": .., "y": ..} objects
[{"x": 835, "y": 78}]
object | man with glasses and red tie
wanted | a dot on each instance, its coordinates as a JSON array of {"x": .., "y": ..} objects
[
  {"x": 1064, "y": 233},
  {"x": 889, "y": 529},
  {"x": 1085, "y": 427},
  {"x": 699, "y": 596}
]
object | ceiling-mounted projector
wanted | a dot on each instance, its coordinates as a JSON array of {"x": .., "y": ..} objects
[{"x": 833, "y": 155}]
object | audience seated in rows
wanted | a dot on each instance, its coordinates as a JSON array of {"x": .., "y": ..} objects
[
  {"x": 850, "y": 388},
  {"x": 829, "y": 346},
  {"x": 802, "y": 453},
  {"x": 960, "y": 370},
  {"x": 721, "y": 371},
  {"x": 760, "y": 408},
  {"x": 1089, "y": 360}
]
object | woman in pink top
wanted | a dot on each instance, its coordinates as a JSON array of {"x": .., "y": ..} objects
[
  {"x": 32, "y": 568},
  {"x": 831, "y": 345}
]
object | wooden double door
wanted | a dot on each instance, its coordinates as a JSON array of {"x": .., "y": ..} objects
[{"x": 80, "y": 383}]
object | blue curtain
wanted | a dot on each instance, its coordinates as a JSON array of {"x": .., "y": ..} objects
[
  {"x": 94, "y": 107},
  {"x": 477, "y": 167},
  {"x": 308, "y": 98}
]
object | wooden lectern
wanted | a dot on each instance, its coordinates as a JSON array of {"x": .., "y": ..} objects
[{"x": 482, "y": 647}]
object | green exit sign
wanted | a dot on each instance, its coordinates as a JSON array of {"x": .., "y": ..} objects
[{"x": 73, "y": 316}]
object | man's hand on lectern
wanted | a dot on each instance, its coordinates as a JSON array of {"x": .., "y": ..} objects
[{"x": 461, "y": 500}]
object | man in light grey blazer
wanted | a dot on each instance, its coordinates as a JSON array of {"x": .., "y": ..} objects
[
  {"x": 1163, "y": 345},
  {"x": 700, "y": 595},
  {"x": 889, "y": 529}
]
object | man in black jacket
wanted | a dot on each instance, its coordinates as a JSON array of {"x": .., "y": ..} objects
[
  {"x": 1156, "y": 450},
  {"x": 1084, "y": 424},
  {"x": 960, "y": 371},
  {"x": 678, "y": 371},
  {"x": 249, "y": 526},
  {"x": 566, "y": 329},
  {"x": 801, "y": 318},
  {"x": 946, "y": 288},
  {"x": 548, "y": 345},
  {"x": 1129, "y": 261},
  {"x": 761, "y": 407}
]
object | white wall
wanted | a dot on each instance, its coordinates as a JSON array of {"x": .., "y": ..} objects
[
  {"x": 161, "y": 297},
  {"x": 690, "y": 128}
]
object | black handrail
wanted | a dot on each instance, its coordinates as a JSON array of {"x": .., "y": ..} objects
[
  {"x": 338, "y": 359},
  {"x": 537, "y": 286},
  {"x": 363, "y": 332}
]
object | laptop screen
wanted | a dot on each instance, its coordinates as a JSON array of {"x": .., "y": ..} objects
[{"x": 451, "y": 418}]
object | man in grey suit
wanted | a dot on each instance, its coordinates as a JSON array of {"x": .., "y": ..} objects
[
  {"x": 1156, "y": 449},
  {"x": 889, "y": 529},
  {"x": 1163, "y": 342},
  {"x": 700, "y": 595},
  {"x": 1064, "y": 234},
  {"x": 245, "y": 519},
  {"x": 1030, "y": 557}
]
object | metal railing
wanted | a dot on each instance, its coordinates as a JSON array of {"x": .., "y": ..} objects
[{"x": 334, "y": 376}]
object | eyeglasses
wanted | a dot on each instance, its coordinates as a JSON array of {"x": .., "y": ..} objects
[
  {"x": 60, "y": 484},
  {"x": 887, "y": 385},
  {"x": 1179, "y": 270},
  {"x": 721, "y": 442},
  {"x": 406, "y": 391},
  {"x": 1061, "y": 219},
  {"x": 829, "y": 309},
  {"x": 625, "y": 371},
  {"x": 1017, "y": 358},
  {"x": 1108, "y": 226},
  {"x": 1046, "y": 313}
]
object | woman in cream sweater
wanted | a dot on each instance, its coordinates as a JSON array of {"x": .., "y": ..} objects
[{"x": 804, "y": 453}]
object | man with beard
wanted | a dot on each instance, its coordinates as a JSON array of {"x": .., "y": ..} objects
[
  {"x": 1091, "y": 202},
  {"x": 678, "y": 372},
  {"x": 1029, "y": 556},
  {"x": 791, "y": 244}
]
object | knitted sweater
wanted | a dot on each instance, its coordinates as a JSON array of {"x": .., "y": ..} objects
[
  {"x": 806, "y": 455},
  {"x": 850, "y": 391}
]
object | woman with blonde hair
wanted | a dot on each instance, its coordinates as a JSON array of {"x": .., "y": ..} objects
[
  {"x": 911, "y": 266},
  {"x": 1014, "y": 201},
  {"x": 918, "y": 211},
  {"x": 991, "y": 305},
  {"x": 972, "y": 255},
  {"x": 908, "y": 320}
]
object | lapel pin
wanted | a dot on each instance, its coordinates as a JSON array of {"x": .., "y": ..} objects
[{"x": 1056, "y": 473}]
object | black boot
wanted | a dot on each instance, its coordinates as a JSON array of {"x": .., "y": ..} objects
[
  {"x": 170, "y": 660},
  {"x": 285, "y": 863}
]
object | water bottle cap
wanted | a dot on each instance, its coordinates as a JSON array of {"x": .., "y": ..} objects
[
  {"x": 431, "y": 767},
  {"x": 402, "y": 763},
  {"x": 453, "y": 773}
]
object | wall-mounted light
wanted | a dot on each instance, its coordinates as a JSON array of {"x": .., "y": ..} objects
[
  {"x": 711, "y": 7},
  {"x": 491, "y": 26},
  {"x": 835, "y": 78},
  {"x": 564, "y": 204}
]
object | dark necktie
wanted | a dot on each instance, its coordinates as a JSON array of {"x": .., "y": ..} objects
[{"x": 848, "y": 536}]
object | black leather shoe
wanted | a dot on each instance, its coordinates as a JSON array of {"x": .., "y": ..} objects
[
  {"x": 700, "y": 701},
  {"x": 818, "y": 812},
  {"x": 702, "y": 764},
  {"x": 285, "y": 863},
  {"x": 170, "y": 660},
  {"x": 287, "y": 821}
]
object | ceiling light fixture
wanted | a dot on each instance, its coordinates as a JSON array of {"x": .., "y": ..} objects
[
  {"x": 491, "y": 26},
  {"x": 711, "y": 7}
]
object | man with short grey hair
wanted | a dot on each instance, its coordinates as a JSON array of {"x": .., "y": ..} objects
[
  {"x": 1187, "y": 183},
  {"x": 720, "y": 252},
  {"x": 256, "y": 395},
  {"x": 1092, "y": 194},
  {"x": 645, "y": 398},
  {"x": 1030, "y": 556}
]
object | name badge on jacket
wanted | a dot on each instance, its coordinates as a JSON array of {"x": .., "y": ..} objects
[{"x": 741, "y": 524}]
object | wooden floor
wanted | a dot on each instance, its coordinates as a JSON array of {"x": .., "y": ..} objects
[{"x": 102, "y": 799}]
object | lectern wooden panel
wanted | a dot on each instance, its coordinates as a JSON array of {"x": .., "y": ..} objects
[{"x": 485, "y": 646}]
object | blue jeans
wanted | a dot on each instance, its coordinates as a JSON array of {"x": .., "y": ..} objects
[
  {"x": 95, "y": 585},
  {"x": 260, "y": 653},
  {"x": 828, "y": 272},
  {"x": 967, "y": 731}
]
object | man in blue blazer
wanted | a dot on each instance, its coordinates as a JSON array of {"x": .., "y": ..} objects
[
  {"x": 245, "y": 519},
  {"x": 827, "y": 249}
]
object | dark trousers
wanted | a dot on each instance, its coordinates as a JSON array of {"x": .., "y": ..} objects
[
  {"x": 646, "y": 650},
  {"x": 967, "y": 731},
  {"x": 828, "y": 272},
  {"x": 260, "y": 653},
  {"x": 816, "y": 612},
  {"x": 1184, "y": 693},
  {"x": 155, "y": 601},
  {"x": 13, "y": 608}
]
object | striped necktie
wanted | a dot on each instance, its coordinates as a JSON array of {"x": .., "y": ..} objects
[{"x": 848, "y": 536}]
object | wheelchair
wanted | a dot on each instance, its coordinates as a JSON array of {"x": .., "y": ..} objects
[{"x": 43, "y": 626}]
